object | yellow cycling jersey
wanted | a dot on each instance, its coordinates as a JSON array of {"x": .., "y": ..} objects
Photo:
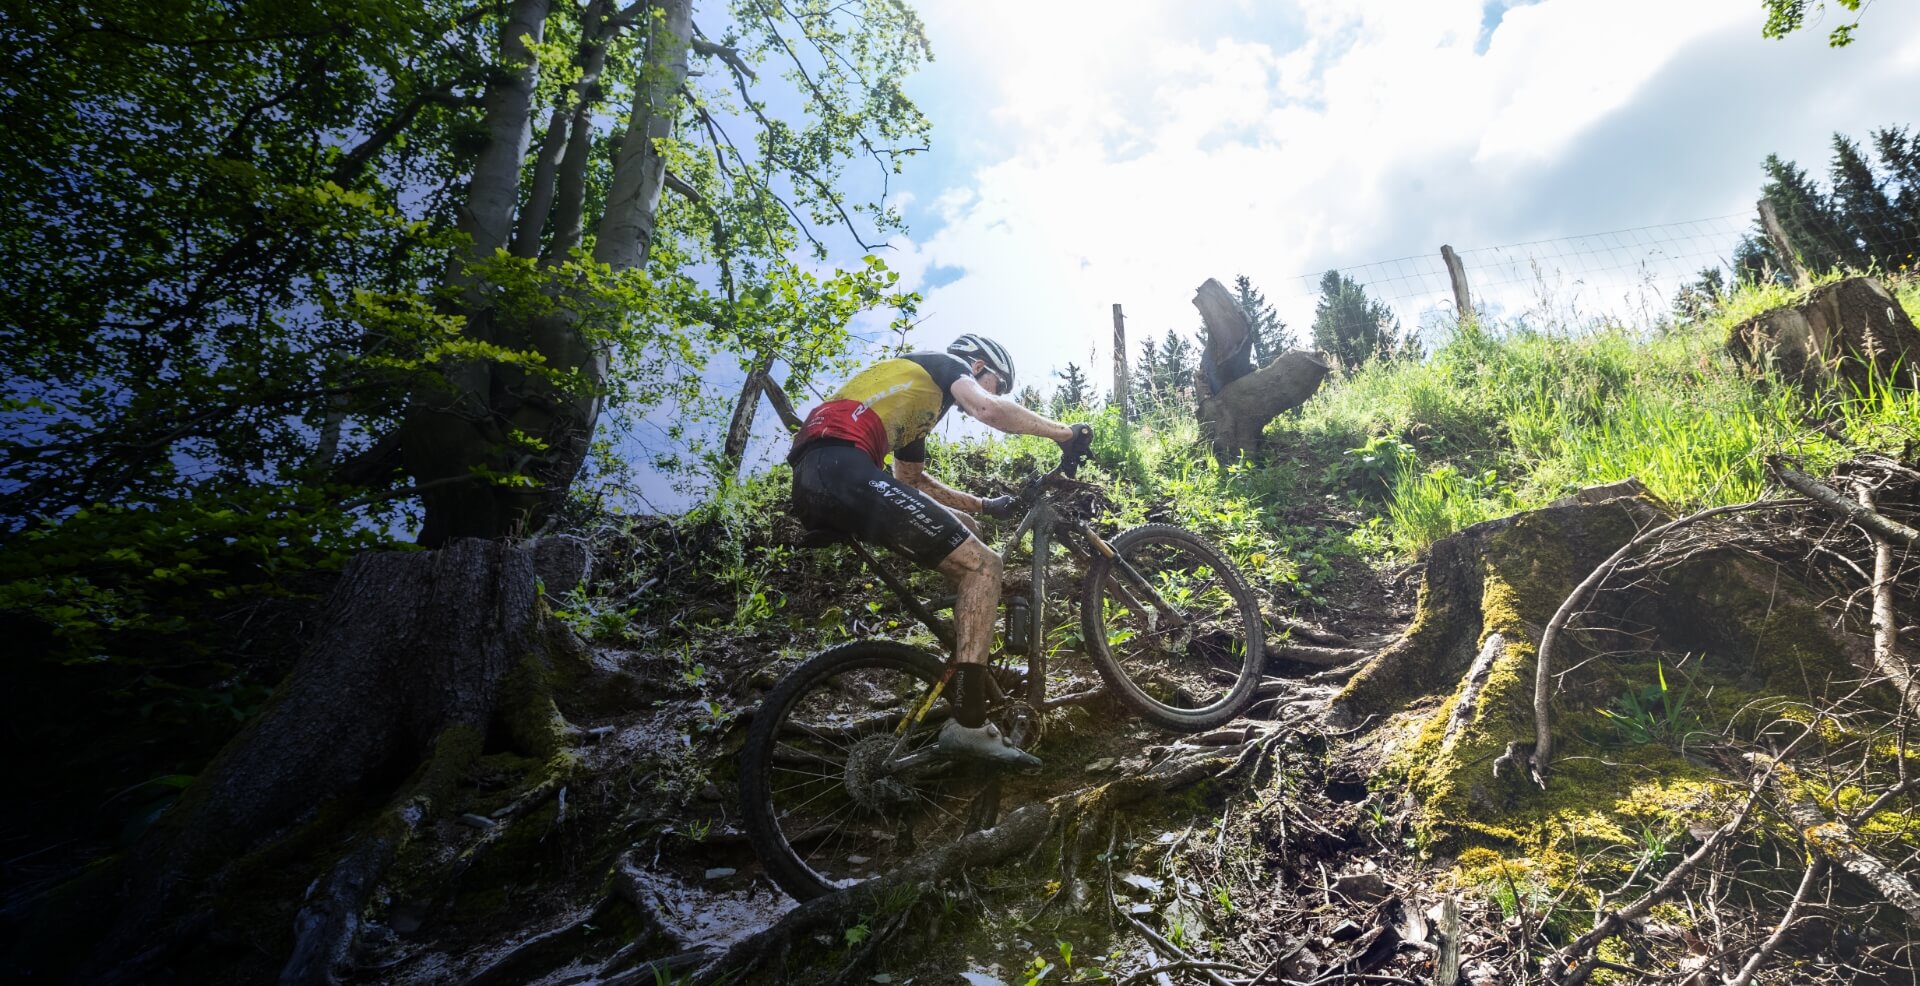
[{"x": 910, "y": 394}]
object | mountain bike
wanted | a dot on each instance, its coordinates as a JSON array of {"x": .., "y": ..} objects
[{"x": 841, "y": 778}]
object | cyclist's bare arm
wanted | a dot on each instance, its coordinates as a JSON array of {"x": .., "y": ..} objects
[
  {"x": 915, "y": 474},
  {"x": 1002, "y": 414}
]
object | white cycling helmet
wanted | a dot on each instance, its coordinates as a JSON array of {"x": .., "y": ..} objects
[{"x": 972, "y": 347}]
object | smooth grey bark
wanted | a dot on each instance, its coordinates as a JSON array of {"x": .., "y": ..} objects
[
  {"x": 452, "y": 428},
  {"x": 568, "y": 139},
  {"x": 494, "y": 189},
  {"x": 639, "y": 171}
]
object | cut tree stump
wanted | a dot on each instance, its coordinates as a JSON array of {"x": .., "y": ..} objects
[
  {"x": 1846, "y": 332},
  {"x": 1454, "y": 696},
  {"x": 1236, "y": 402},
  {"x": 424, "y": 657}
]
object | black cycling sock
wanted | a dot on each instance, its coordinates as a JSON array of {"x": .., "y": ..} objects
[{"x": 972, "y": 712}]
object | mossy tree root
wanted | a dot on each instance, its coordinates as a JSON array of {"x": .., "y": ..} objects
[
  {"x": 329, "y": 920},
  {"x": 1023, "y": 831},
  {"x": 418, "y": 656}
]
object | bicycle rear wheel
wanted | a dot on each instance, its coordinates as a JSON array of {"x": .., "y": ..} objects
[
  {"x": 1172, "y": 628},
  {"x": 821, "y": 805}
]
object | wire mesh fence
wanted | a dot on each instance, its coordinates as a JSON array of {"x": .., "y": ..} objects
[{"x": 1628, "y": 277}]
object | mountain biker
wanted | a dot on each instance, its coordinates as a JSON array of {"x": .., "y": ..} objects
[{"x": 838, "y": 483}]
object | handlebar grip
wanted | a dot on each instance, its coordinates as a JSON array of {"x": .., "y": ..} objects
[{"x": 1077, "y": 450}]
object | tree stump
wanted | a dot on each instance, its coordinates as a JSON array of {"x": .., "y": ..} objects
[
  {"x": 424, "y": 658},
  {"x": 1728, "y": 636},
  {"x": 1236, "y": 402},
  {"x": 1850, "y": 332}
]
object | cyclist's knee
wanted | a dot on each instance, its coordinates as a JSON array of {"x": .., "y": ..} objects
[{"x": 973, "y": 560}]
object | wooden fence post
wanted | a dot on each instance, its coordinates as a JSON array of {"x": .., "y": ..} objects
[
  {"x": 1457, "y": 273},
  {"x": 1120, "y": 361},
  {"x": 1778, "y": 234}
]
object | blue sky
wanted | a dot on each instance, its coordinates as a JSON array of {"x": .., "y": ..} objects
[{"x": 1088, "y": 152}]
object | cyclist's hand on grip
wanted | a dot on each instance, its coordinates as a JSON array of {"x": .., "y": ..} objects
[
  {"x": 1075, "y": 449},
  {"x": 997, "y": 506}
]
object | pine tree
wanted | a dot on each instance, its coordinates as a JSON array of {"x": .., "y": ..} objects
[
  {"x": 1860, "y": 202},
  {"x": 1074, "y": 392},
  {"x": 1031, "y": 400},
  {"x": 1899, "y": 153},
  {"x": 1699, "y": 298},
  {"x": 1146, "y": 373},
  {"x": 1177, "y": 360},
  {"x": 1271, "y": 336},
  {"x": 1351, "y": 326},
  {"x": 1808, "y": 217}
]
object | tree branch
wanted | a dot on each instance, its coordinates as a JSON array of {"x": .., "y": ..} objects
[
  {"x": 1839, "y": 505},
  {"x": 1543, "y": 672}
]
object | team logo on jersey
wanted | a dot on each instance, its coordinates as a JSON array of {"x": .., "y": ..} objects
[{"x": 877, "y": 398}]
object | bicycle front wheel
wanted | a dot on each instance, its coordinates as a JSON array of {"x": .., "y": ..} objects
[
  {"x": 830, "y": 793},
  {"x": 1172, "y": 628}
]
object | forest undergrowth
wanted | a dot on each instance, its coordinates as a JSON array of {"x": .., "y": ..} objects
[{"x": 1306, "y": 864}]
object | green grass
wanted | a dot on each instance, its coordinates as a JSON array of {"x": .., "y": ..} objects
[{"x": 1501, "y": 419}]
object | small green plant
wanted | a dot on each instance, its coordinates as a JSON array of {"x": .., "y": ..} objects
[
  {"x": 1654, "y": 714},
  {"x": 858, "y": 933}
]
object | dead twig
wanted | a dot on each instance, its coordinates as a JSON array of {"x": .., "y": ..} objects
[
  {"x": 1835, "y": 841},
  {"x": 1825, "y": 496},
  {"x": 1886, "y": 633},
  {"x": 1573, "y": 964},
  {"x": 1800, "y": 897}
]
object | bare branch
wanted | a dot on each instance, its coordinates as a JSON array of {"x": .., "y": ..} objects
[
  {"x": 1543, "y": 673},
  {"x": 1824, "y": 495},
  {"x": 724, "y": 53}
]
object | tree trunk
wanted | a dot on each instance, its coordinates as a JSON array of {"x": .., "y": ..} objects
[
  {"x": 413, "y": 667},
  {"x": 640, "y": 172},
  {"x": 451, "y": 429},
  {"x": 473, "y": 424},
  {"x": 1228, "y": 355},
  {"x": 1234, "y": 403},
  {"x": 744, "y": 410},
  {"x": 1848, "y": 332}
]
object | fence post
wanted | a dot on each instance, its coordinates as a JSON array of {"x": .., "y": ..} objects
[
  {"x": 1778, "y": 234},
  {"x": 1120, "y": 361},
  {"x": 1457, "y": 273}
]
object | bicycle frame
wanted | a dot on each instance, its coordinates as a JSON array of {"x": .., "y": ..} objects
[{"x": 1042, "y": 521}]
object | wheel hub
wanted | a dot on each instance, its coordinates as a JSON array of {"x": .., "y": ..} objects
[{"x": 866, "y": 775}]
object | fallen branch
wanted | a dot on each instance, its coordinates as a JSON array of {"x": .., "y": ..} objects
[
  {"x": 1323, "y": 657},
  {"x": 1835, "y": 840},
  {"x": 1543, "y": 674},
  {"x": 1839, "y": 505},
  {"x": 1183, "y": 960},
  {"x": 1886, "y": 633},
  {"x": 1573, "y": 964},
  {"x": 1773, "y": 941}
]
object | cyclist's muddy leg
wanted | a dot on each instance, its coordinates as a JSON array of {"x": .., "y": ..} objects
[{"x": 975, "y": 571}]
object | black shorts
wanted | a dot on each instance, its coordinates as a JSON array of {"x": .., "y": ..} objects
[{"x": 838, "y": 487}]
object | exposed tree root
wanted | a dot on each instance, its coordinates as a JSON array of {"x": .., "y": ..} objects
[
  {"x": 1077, "y": 815},
  {"x": 329, "y": 919}
]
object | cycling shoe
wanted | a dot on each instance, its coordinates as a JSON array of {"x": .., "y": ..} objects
[{"x": 983, "y": 743}]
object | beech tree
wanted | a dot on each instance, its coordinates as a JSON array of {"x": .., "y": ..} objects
[{"x": 288, "y": 276}]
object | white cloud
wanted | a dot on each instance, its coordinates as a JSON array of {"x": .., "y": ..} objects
[{"x": 1125, "y": 151}]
